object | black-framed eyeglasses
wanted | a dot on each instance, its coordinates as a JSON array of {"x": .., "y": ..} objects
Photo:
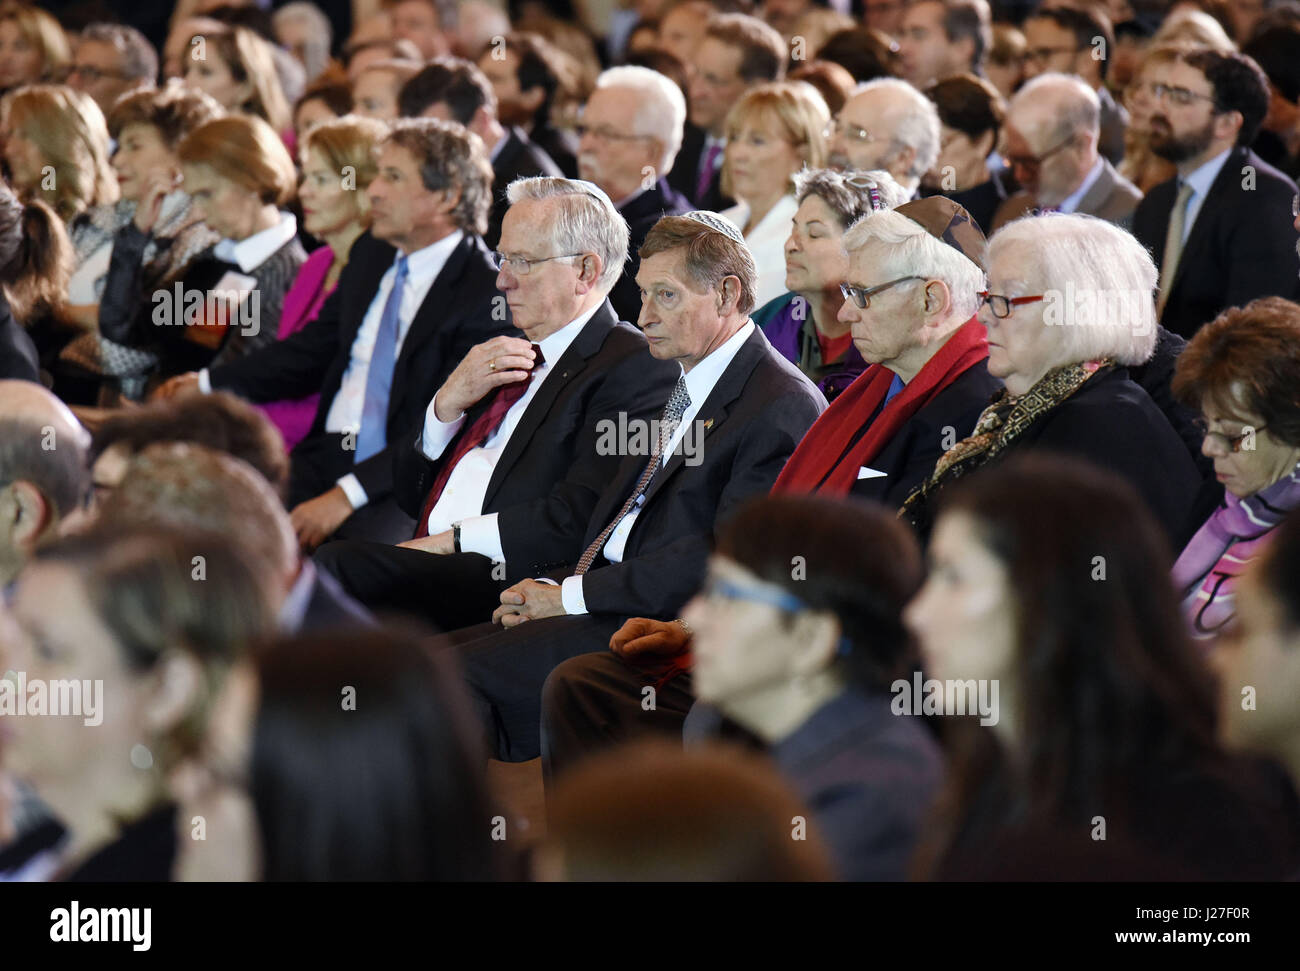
[
  {"x": 861, "y": 296},
  {"x": 1232, "y": 443},
  {"x": 523, "y": 266},
  {"x": 1179, "y": 96},
  {"x": 1001, "y": 306},
  {"x": 1032, "y": 163},
  {"x": 606, "y": 134}
]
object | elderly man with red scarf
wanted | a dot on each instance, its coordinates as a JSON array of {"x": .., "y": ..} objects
[{"x": 915, "y": 274}]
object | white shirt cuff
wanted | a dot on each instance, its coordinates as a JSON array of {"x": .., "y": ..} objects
[
  {"x": 571, "y": 596},
  {"x": 353, "y": 490},
  {"x": 205, "y": 382},
  {"x": 437, "y": 434},
  {"x": 480, "y": 534}
]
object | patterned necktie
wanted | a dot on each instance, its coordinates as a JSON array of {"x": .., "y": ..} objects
[
  {"x": 707, "y": 169},
  {"x": 373, "y": 435},
  {"x": 1173, "y": 245},
  {"x": 678, "y": 402},
  {"x": 503, "y": 398}
]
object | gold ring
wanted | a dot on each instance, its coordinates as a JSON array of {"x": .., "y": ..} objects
[{"x": 492, "y": 365}]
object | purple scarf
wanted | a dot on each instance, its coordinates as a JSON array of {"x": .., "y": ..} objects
[{"x": 1206, "y": 573}]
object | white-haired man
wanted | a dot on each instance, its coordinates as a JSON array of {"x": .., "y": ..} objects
[
  {"x": 1052, "y": 128},
  {"x": 505, "y": 473},
  {"x": 886, "y": 124},
  {"x": 631, "y": 132}
]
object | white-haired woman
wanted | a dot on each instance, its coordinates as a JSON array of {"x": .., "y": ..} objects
[{"x": 1068, "y": 309}]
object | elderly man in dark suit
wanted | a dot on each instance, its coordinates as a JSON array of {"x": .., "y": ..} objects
[
  {"x": 1220, "y": 231},
  {"x": 631, "y": 131},
  {"x": 1052, "y": 132},
  {"x": 456, "y": 90},
  {"x": 734, "y": 417},
  {"x": 417, "y": 293},
  {"x": 507, "y": 468}
]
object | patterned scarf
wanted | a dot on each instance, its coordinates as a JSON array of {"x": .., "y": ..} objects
[
  {"x": 1206, "y": 572},
  {"x": 1000, "y": 424}
]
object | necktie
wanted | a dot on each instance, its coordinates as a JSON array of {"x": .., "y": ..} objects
[
  {"x": 678, "y": 402},
  {"x": 503, "y": 398},
  {"x": 1173, "y": 245},
  {"x": 707, "y": 168},
  {"x": 373, "y": 434}
]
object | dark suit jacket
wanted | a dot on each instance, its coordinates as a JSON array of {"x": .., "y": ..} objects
[
  {"x": 869, "y": 777},
  {"x": 330, "y": 607},
  {"x": 547, "y": 481},
  {"x": 685, "y": 174},
  {"x": 641, "y": 214},
  {"x": 458, "y": 312},
  {"x": 18, "y": 357},
  {"x": 755, "y": 416},
  {"x": 561, "y": 145},
  {"x": 1242, "y": 245},
  {"x": 910, "y": 455},
  {"x": 519, "y": 158},
  {"x": 1156, "y": 379}
]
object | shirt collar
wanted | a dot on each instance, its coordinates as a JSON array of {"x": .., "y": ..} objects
[
  {"x": 1071, "y": 202},
  {"x": 554, "y": 345},
  {"x": 701, "y": 378},
  {"x": 249, "y": 254},
  {"x": 1202, "y": 178},
  {"x": 294, "y": 608},
  {"x": 431, "y": 259},
  {"x": 501, "y": 143},
  {"x": 623, "y": 204}
]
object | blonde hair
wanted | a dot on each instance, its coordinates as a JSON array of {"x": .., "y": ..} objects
[
  {"x": 801, "y": 116},
  {"x": 349, "y": 142},
  {"x": 71, "y": 134},
  {"x": 243, "y": 149},
  {"x": 251, "y": 59},
  {"x": 43, "y": 32}
]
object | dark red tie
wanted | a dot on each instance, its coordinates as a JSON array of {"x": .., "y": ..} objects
[{"x": 502, "y": 400}]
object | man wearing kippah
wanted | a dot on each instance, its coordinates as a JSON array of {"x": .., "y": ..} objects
[{"x": 735, "y": 416}]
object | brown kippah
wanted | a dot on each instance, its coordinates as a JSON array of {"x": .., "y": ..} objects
[{"x": 949, "y": 223}]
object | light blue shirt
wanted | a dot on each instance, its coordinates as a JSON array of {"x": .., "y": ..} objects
[{"x": 1200, "y": 181}]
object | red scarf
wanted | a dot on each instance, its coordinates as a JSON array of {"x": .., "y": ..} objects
[{"x": 817, "y": 455}]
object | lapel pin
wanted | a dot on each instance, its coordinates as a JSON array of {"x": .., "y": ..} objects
[{"x": 708, "y": 424}]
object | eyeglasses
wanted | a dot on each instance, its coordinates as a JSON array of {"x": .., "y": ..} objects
[
  {"x": 852, "y": 132},
  {"x": 1001, "y": 306},
  {"x": 607, "y": 134},
  {"x": 861, "y": 296},
  {"x": 1041, "y": 54},
  {"x": 717, "y": 588},
  {"x": 1232, "y": 443},
  {"x": 1032, "y": 163},
  {"x": 1179, "y": 96},
  {"x": 523, "y": 266}
]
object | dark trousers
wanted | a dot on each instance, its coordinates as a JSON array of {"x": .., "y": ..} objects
[
  {"x": 448, "y": 592},
  {"x": 597, "y": 700},
  {"x": 316, "y": 464}
]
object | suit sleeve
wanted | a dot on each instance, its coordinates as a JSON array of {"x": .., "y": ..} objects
[
  {"x": 124, "y": 311},
  {"x": 658, "y": 583}
]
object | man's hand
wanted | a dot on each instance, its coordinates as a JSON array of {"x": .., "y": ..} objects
[
  {"x": 182, "y": 384},
  {"x": 441, "y": 543},
  {"x": 316, "y": 519},
  {"x": 502, "y": 360},
  {"x": 528, "y": 600},
  {"x": 643, "y": 636}
]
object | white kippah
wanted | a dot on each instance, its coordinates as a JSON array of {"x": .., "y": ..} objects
[{"x": 717, "y": 223}]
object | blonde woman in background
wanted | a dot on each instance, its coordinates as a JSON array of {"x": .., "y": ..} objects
[
  {"x": 33, "y": 47},
  {"x": 237, "y": 68}
]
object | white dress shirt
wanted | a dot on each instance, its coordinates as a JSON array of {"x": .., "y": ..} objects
[
  {"x": 766, "y": 242},
  {"x": 249, "y": 254},
  {"x": 1201, "y": 180},
  {"x": 700, "y": 382},
  {"x": 422, "y": 268},
  {"x": 462, "y": 497},
  {"x": 1071, "y": 202}
]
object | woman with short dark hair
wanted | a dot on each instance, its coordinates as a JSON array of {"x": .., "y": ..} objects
[
  {"x": 970, "y": 121},
  {"x": 1047, "y": 580},
  {"x": 1242, "y": 372}
]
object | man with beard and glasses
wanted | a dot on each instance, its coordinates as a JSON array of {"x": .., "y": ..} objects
[{"x": 1221, "y": 230}]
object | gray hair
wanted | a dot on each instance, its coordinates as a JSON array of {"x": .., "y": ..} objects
[
  {"x": 1098, "y": 282},
  {"x": 662, "y": 113},
  {"x": 585, "y": 220},
  {"x": 910, "y": 250},
  {"x": 139, "y": 59},
  {"x": 848, "y": 194},
  {"x": 316, "y": 53},
  {"x": 1076, "y": 107},
  {"x": 917, "y": 128}
]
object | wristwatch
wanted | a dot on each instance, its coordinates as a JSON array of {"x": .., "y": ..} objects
[{"x": 455, "y": 536}]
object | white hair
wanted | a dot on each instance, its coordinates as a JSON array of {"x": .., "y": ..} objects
[
  {"x": 662, "y": 111},
  {"x": 1097, "y": 279},
  {"x": 316, "y": 54},
  {"x": 917, "y": 127},
  {"x": 910, "y": 250},
  {"x": 1070, "y": 104},
  {"x": 585, "y": 220}
]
